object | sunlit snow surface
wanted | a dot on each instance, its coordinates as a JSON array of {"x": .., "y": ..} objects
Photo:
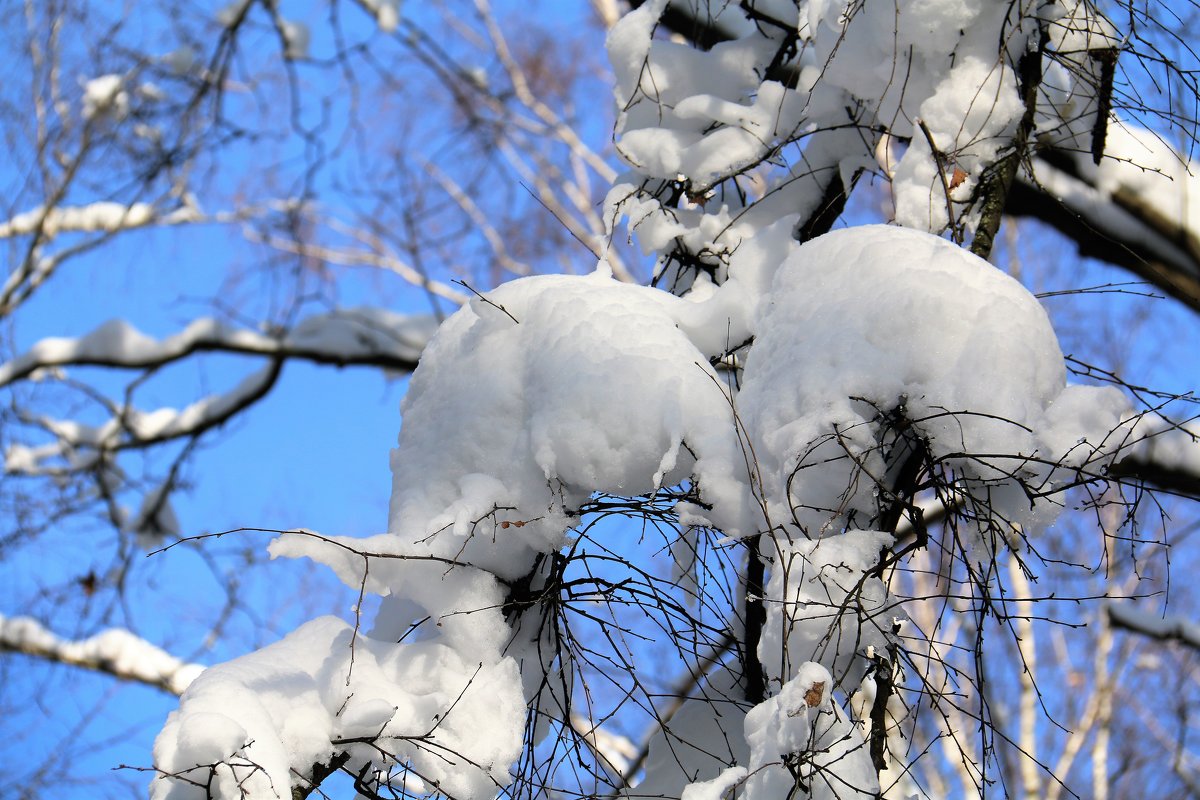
[{"x": 551, "y": 388}]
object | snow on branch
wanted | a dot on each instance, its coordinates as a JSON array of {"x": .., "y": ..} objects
[
  {"x": 498, "y": 455},
  {"x": 44, "y": 222},
  {"x": 132, "y": 428},
  {"x": 362, "y": 336},
  {"x": 872, "y": 370},
  {"x": 116, "y": 652},
  {"x": 366, "y": 336},
  {"x": 1137, "y": 210},
  {"x": 102, "y": 216},
  {"x": 1164, "y": 455},
  {"x": 1170, "y": 628}
]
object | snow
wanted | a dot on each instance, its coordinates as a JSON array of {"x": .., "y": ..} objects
[
  {"x": 1067, "y": 105},
  {"x": 1144, "y": 189},
  {"x": 1166, "y": 445},
  {"x": 1140, "y": 164},
  {"x": 344, "y": 336},
  {"x": 550, "y": 388},
  {"x": 386, "y": 13},
  {"x": 1128, "y": 616},
  {"x": 879, "y": 320},
  {"x": 802, "y": 720},
  {"x": 617, "y": 752},
  {"x": 854, "y": 350},
  {"x": 860, "y": 74},
  {"x": 702, "y": 739},
  {"x": 278, "y": 710},
  {"x": 717, "y": 788},
  {"x": 159, "y": 424},
  {"x": 156, "y": 519},
  {"x": 181, "y": 60},
  {"x": 1101, "y": 213},
  {"x": 105, "y": 97},
  {"x": 99, "y": 216},
  {"x": 825, "y": 607},
  {"x": 296, "y": 37},
  {"x": 971, "y": 115},
  {"x": 616, "y": 426},
  {"x": 230, "y": 13}
]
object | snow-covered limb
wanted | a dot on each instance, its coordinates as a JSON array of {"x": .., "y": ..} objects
[
  {"x": 116, "y": 652},
  {"x": 373, "y": 336},
  {"x": 614, "y": 752},
  {"x": 1168, "y": 628},
  {"x": 360, "y": 336},
  {"x": 860, "y": 375},
  {"x": 386, "y": 13},
  {"x": 46, "y": 223},
  {"x": 107, "y": 217},
  {"x": 84, "y": 447},
  {"x": 1138, "y": 217},
  {"x": 1161, "y": 453},
  {"x": 498, "y": 453}
]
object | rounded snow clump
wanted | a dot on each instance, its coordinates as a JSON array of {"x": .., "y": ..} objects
[
  {"x": 885, "y": 323},
  {"x": 529, "y": 400}
]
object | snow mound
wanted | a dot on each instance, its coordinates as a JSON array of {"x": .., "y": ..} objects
[
  {"x": 880, "y": 324},
  {"x": 249, "y": 725}
]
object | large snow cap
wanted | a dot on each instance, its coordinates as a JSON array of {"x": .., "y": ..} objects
[
  {"x": 868, "y": 319},
  {"x": 882, "y": 311},
  {"x": 526, "y": 402}
]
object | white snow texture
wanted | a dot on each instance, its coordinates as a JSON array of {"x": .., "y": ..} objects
[
  {"x": 551, "y": 388},
  {"x": 862, "y": 342}
]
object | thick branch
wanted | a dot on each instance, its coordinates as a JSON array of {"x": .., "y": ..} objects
[
  {"x": 1174, "y": 479},
  {"x": 1122, "y": 230},
  {"x": 700, "y": 32},
  {"x": 319, "y": 773},
  {"x": 1177, "y": 629},
  {"x": 833, "y": 203},
  {"x": 756, "y": 619},
  {"x": 998, "y": 180}
]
